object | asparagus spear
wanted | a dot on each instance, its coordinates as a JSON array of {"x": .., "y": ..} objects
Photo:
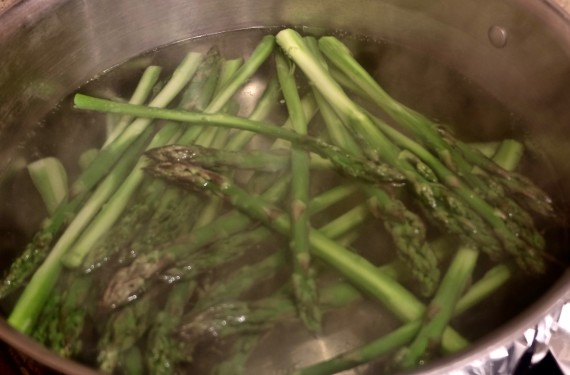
[
  {"x": 403, "y": 335},
  {"x": 87, "y": 157},
  {"x": 441, "y": 307},
  {"x": 61, "y": 322},
  {"x": 37, "y": 250},
  {"x": 118, "y": 202},
  {"x": 131, "y": 140},
  {"x": 258, "y": 56},
  {"x": 221, "y": 252},
  {"x": 146, "y": 266},
  {"x": 50, "y": 178},
  {"x": 37, "y": 291},
  {"x": 135, "y": 277},
  {"x": 449, "y": 150},
  {"x": 356, "y": 167},
  {"x": 131, "y": 279},
  {"x": 142, "y": 91},
  {"x": 380, "y": 146},
  {"x": 110, "y": 154},
  {"x": 248, "y": 276},
  {"x": 208, "y": 136},
  {"x": 507, "y": 156},
  {"x": 455, "y": 154},
  {"x": 223, "y": 93},
  {"x": 304, "y": 285},
  {"x": 123, "y": 329},
  {"x": 211, "y": 158},
  {"x": 406, "y": 228},
  {"x": 457, "y": 276},
  {"x": 162, "y": 351},
  {"x": 120, "y": 238},
  {"x": 453, "y": 213},
  {"x": 228, "y": 69},
  {"x": 169, "y": 209},
  {"x": 353, "y": 267}
]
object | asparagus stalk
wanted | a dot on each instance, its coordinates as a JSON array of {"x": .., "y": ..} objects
[
  {"x": 142, "y": 91},
  {"x": 114, "y": 206},
  {"x": 406, "y": 333},
  {"x": 50, "y": 178},
  {"x": 37, "y": 250},
  {"x": 304, "y": 285},
  {"x": 134, "y": 271},
  {"x": 406, "y": 228},
  {"x": 356, "y": 167},
  {"x": 450, "y": 151},
  {"x": 162, "y": 351},
  {"x": 248, "y": 276},
  {"x": 61, "y": 322},
  {"x": 441, "y": 307},
  {"x": 37, "y": 291},
  {"x": 87, "y": 157},
  {"x": 265, "y": 105},
  {"x": 169, "y": 208},
  {"x": 206, "y": 137},
  {"x": 508, "y": 157},
  {"x": 380, "y": 146},
  {"x": 353, "y": 267},
  {"x": 123, "y": 329},
  {"x": 228, "y": 69},
  {"x": 213, "y": 137},
  {"x": 133, "y": 278},
  {"x": 122, "y": 237},
  {"x": 455, "y": 280},
  {"x": 258, "y": 56},
  {"x": 118, "y": 202},
  {"x": 110, "y": 154}
]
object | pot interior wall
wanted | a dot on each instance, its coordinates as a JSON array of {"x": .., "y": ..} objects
[{"x": 50, "y": 49}]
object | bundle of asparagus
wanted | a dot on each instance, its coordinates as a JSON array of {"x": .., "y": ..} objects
[{"x": 135, "y": 236}]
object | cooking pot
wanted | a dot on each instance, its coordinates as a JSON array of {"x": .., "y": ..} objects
[{"x": 517, "y": 50}]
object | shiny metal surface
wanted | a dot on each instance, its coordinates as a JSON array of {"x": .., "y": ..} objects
[{"x": 51, "y": 47}]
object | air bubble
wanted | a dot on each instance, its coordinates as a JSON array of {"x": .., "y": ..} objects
[{"x": 498, "y": 36}]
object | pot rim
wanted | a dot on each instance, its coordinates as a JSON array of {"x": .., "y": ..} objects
[{"x": 557, "y": 18}]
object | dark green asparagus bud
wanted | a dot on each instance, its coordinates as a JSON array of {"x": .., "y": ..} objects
[
  {"x": 130, "y": 226},
  {"x": 163, "y": 350},
  {"x": 37, "y": 250},
  {"x": 123, "y": 329},
  {"x": 408, "y": 232},
  {"x": 262, "y": 161}
]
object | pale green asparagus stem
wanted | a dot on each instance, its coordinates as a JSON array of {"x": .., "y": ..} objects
[
  {"x": 42, "y": 282},
  {"x": 304, "y": 285},
  {"x": 107, "y": 157},
  {"x": 142, "y": 91},
  {"x": 50, "y": 179}
]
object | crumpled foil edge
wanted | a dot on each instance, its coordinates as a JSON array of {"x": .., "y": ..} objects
[{"x": 550, "y": 334}]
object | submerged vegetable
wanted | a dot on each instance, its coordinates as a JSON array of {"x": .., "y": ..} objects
[{"x": 187, "y": 210}]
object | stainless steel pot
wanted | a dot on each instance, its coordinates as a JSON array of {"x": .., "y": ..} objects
[{"x": 518, "y": 50}]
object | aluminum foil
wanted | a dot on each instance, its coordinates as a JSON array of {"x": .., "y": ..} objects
[{"x": 550, "y": 334}]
